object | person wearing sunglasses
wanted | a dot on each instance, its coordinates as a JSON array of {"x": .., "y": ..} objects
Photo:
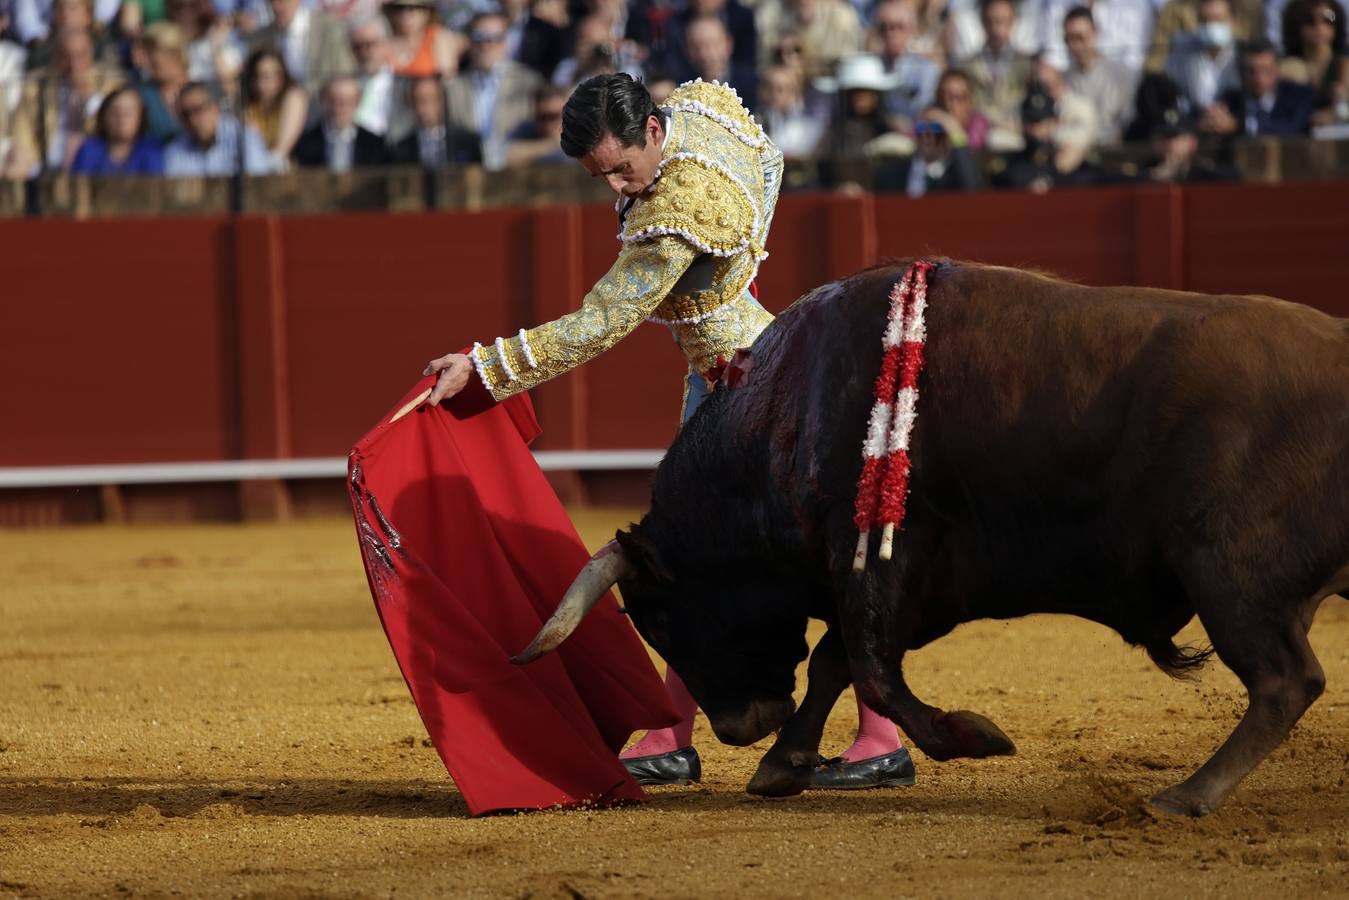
[
  {"x": 1265, "y": 104},
  {"x": 896, "y": 25},
  {"x": 493, "y": 95},
  {"x": 209, "y": 144}
]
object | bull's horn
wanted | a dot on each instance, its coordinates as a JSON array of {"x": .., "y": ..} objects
[{"x": 608, "y": 565}]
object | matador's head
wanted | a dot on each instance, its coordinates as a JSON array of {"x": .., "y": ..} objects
[{"x": 612, "y": 126}]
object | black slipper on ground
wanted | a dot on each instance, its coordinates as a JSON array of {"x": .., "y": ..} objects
[
  {"x": 891, "y": 770},
  {"x": 680, "y": 766}
]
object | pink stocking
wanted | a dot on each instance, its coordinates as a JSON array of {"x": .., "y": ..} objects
[
  {"x": 665, "y": 740},
  {"x": 876, "y": 735}
]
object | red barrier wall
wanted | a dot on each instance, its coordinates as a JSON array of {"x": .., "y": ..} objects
[{"x": 193, "y": 339}]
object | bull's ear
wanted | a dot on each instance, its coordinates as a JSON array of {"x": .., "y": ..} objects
[{"x": 644, "y": 554}]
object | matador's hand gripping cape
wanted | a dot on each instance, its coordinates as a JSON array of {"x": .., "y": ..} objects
[{"x": 691, "y": 246}]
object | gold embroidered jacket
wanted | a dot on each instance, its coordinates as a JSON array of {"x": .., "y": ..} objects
[{"x": 690, "y": 248}]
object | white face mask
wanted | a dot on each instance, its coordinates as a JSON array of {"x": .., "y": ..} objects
[{"x": 1215, "y": 34}]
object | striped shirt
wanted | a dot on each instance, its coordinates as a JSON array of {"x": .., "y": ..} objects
[{"x": 184, "y": 157}]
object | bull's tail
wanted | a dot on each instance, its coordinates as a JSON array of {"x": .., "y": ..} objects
[{"x": 1181, "y": 663}]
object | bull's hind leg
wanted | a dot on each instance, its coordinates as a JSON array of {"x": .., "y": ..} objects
[
  {"x": 786, "y": 769},
  {"x": 877, "y": 630},
  {"x": 1282, "y": 677}
]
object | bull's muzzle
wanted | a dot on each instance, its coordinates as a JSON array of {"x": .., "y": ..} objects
[
  {"x": 758, "y": 720},
  {"x": 608, "y": 565}
]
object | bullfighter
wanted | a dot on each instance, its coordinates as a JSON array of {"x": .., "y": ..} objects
[{"x": 698, "y": 183}]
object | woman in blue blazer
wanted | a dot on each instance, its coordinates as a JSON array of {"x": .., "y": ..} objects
[{"x": 119, "y": 145}]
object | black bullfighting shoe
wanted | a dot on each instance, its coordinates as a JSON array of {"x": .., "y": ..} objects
[
  {"x": 680, "y": 766},
  {"x": 891, "y": 770}
]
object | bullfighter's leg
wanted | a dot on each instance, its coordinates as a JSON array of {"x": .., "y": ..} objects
[
  {"x": 876, "y": 736},
  {"x": 677, "y": 737},
  {"x": 876, "y": 632},
  {"x": 1282, "y": 678},
  {"x": 786, "y": 769}
]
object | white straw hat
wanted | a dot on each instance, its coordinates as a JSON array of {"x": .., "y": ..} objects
[{"x": 863, "y": 71}]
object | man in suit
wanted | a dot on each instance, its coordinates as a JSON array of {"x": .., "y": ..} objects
[
  {"x": 941, "y": 161},
  {"x": 709, "y": 49},
  {"x": 433, "y": 144},
  {"x": 674, "y": 55},
  {"x": 494, "y": 95},
  {"x": 337, "y": 143},
  {"x": 998, "y": 73},
  {"x": 314, "y": 44},
  {"x": 1265, "y": 104}
]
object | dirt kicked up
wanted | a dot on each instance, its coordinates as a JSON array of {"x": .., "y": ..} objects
[{"x": 214, "y": 712}]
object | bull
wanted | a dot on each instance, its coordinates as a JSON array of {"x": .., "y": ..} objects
[{"x": 1135, "y": 457}]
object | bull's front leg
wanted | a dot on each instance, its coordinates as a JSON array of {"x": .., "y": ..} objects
[
  {"x": 877, "y": 629},
  {"x": 786, "y": 769}
]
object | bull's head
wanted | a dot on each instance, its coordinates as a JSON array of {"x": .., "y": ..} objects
[{"x": 735, "y": 638}]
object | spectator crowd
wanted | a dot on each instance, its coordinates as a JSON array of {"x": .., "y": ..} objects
[{"x": 1033, "y": 90}]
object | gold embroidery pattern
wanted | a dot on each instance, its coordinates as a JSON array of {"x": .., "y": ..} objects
[
  {"x": 733, "y": 326},
  {"x": 638, "y": 282},
  {"x": 721, "y": 104},
  {"x": 696, "y": 201},
  {"x": 716, "y": 195}
]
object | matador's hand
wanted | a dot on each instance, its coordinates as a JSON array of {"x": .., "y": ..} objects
[{"x": 454, "y": 369}]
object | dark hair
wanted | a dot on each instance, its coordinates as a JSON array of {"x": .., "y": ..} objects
[
  {"x": 481, "y": 17},
  {"x": 1079, "y": 12},
  {"x": 985, "y": 4},
  {"x": 548, "y": 90},
  {"x": 955, "y": 75},
  {"x": 419, "y": 80},
  {"x": 205, "y": 12},
  {"x": 1156, "y": 94},
  {"x": 255, "y": 59},
  {"x": 1257, "y": 46},
  {"x": 101, "y": 117},
  {"x": 614, "y": 104},
  {"x": 211, "y": 92},
  {"x": 1295, "y": 13}
]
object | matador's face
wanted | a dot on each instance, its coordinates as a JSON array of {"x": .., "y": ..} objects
[{"x": 629, "y": 170}]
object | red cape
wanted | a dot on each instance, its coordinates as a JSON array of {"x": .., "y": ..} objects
[{"x": 468, "y": 551}]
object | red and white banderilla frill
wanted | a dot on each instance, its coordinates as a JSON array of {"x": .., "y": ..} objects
[{"x": 883, "y": 487}]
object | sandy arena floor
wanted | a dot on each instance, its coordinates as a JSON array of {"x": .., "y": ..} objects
[{"x": 214, "y": 711}]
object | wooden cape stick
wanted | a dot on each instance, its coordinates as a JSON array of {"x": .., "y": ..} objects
[{"x": 411, "y": 405}]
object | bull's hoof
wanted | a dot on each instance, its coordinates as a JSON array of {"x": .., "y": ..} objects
[
  {"x": 1179, "y": 803},
  {"x": 969, "y": 734},
  {"x": 778, "y": 777}
]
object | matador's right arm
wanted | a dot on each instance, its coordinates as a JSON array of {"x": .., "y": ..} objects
[{"x": 638, "y": 282}]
